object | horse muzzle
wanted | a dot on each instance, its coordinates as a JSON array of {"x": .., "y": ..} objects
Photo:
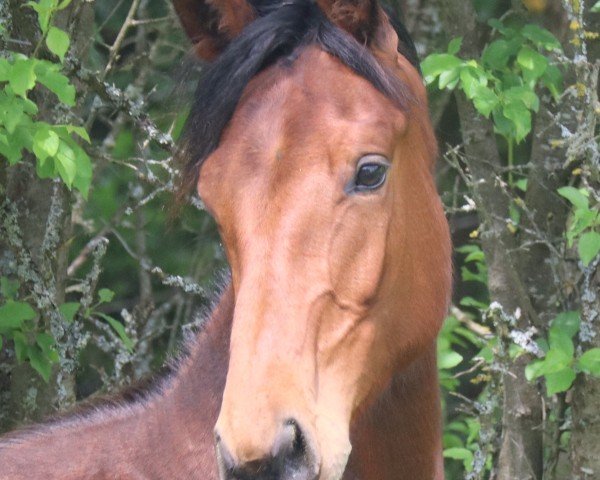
[{"x": 291, "y": 458}]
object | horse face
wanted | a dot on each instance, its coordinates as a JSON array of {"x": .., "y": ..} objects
[
  {"x": 315, "y": 188},
  {"x": 323, "y": 194}
]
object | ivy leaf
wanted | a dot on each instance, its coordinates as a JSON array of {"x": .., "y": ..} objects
[
  {"x": 120, "y": 329},
  {"x": 589, "y": 362},
  {"x": 58, "y": 42},
  {"x": 560, "y": 381},
  {"x": 588, "y": 247},
  {"x": 13, "y": 314}
]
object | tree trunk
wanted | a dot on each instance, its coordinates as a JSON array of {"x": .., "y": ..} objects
[{"x": 36, "y": 225}]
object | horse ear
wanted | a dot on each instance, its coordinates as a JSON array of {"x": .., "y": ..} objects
[
  {"x": 360, "y": 18},
  {"x": 212, "y": 24}
]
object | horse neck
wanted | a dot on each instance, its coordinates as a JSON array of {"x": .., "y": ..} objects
[{"x": 399, "y": 435}]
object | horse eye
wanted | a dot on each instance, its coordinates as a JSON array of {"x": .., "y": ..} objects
[{"x": 370, "y": 176}]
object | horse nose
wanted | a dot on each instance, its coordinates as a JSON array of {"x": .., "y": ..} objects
[{"x": 291, "y": 458}]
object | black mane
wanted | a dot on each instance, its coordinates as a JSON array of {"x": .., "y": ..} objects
[{"x": 281, "y": 29}]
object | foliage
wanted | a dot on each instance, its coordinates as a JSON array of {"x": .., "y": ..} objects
[
  {"x": 502, "y": 83},
  {"x": 55, "y": 147},
  {"x": 32, "y": 345},
  {"x": 560, "y": 365}
]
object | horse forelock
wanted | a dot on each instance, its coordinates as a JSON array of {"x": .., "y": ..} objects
[{"x": 278, "y": 34}]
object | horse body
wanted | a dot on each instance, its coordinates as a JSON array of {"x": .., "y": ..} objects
[
  {"x": 319, "y": 361},
  {"x": 168, "y": 435}
]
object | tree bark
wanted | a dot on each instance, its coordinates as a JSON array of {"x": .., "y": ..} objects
[
  {"x": 521, "y": 453},
  {"x": 36, "y": 225}
]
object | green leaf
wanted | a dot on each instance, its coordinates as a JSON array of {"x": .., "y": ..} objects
[
  {"x": 48, "y": 74},
  {"x": 555, "y": 361},
  {"x": 521, "y": 184},
  {"x": 44, "y": 9},
  {"x": 58, "y": 42},
  {"x": 39, "y": 362},
  {"x": 540, "y": 37},
  {"x": 47, "y": 343},
  {"x": 68, "y": 310},
  {"x": 471, "y": 302},
  {"x": 435, "y": 64},
  {"x": 589, "y": 362},
  {"x": 567, "y": 322},
  {"x": 497, "y": 54},
  {"x": 80, "y": 131},
  {"x": 454, "y": 45},
  {"x": 553, "y": 81},
  {"x": 588, "y": 247},
  {"x": 13, "y": 314},
  {"x": 64, "y": 4},
  {"x": 20, "y": 343},
  {"x": 8, "y": 288},
  {"x": 66, "y": 164},
  {"x": 533, "y": 64},
  {"x": 560, "y": 381},
  {"x": 485, "y": 100},
  {"x": 5, "y": 68},
  {"x": 449, "y": 359},
  {"x": 449, "y": 79},
  {"x": 459, "y": 453},
  {"x": 534, "y": 370},
  {"x": 579, "y": 198},
  {"x": 524, "y": 95},
  {"x": 520, "y": 117},
  {"x": 120, "y": 329},
  {"x": 595, "y": 8},
  {"x": 105, "y": 295},
  {"x": 22, "y": 76},
  {"x": 560, "y": 340},
  {"x": 45, "y": 142}
]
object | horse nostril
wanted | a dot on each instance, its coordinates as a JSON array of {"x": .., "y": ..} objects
[
  {"x": 291, "y": 458},
  {"x": 289, "y": 441}
]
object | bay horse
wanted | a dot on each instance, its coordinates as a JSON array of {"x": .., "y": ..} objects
[{"x": 310, "y": 143}]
